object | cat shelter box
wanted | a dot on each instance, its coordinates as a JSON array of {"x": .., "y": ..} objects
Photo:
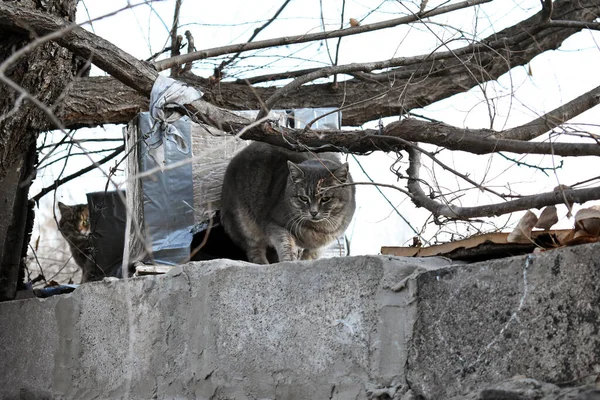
[
  {"x": 175, "y": 171},
  {"x": 108, "y": 217}
]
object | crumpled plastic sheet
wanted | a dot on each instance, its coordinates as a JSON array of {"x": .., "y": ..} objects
[{"x": 166, "y": 97}]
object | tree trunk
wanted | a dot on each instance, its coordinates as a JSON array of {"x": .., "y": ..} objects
[{"x": 44, "y": 74}]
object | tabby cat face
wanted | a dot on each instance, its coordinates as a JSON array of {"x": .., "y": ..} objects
[
  {"x": 307, "y": 194},
  {"x": 75, "y": 218}
]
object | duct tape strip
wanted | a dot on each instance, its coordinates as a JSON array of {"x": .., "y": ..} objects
[{"x": 168, "y": 197}]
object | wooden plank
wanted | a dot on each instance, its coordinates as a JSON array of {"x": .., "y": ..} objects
[{"x": 477, "y": 245}]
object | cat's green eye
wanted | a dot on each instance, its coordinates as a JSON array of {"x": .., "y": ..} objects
[
  {"x": 85, "y": 222},
  {"x": 304, "y": 199},
  {"x": 325, "y": 199}
]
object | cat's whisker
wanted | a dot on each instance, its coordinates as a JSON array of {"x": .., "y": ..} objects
[
  {"x": 295, "y": 226},
  {"x": 298, "y": 232},
  {"x": 333, "y": 223}
]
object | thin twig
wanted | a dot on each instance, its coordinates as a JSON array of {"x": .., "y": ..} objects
[
  {"x": 224, "y": 63},
  {"x": 75, "y": 154},
  {"x": 61, "y": 269},
  {"x": 311, "y": 37},
  {"x": 38, "y": 262},
  {"x": 339, "y": 42},
  {"x": 78, "y": 141},
  {"x": 63, "y": 140},
  {"x": 66, "y": 179},
  {"x": 175, "y": 39},
  {"x": 447, "y": 168}
]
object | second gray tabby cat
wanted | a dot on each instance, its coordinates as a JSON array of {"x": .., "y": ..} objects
[{"x": 275, "y": 198}]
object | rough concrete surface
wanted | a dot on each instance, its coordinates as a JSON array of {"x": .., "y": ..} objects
[
  {"x": 520, "y": 388},
  {"x": 221, "y": 329},
  {"x": 346, "y": 328},
  {"x": 536, "y": 316}
]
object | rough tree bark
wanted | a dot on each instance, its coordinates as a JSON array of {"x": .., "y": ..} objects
[{"x": 20, "y": 123}]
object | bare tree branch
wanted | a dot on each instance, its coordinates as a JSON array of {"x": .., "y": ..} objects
[
  {"x": 276, "y": 76},
  {"x": 421, "y": 199},
  {"x": 339, "y": 41},
  {"x": 546, "y": 10},
  {"x": 481, "y": 141},
  {"x": 254, "y": 34},
  {"x": 74, "y": 175},
  {"x": 476, "y": 141},
  {"x": 310, "y": 37},
  {"x": 64, "y": 141},
  {"x": 397, "y": 94},
  {"x": 141, "y": 77},
  {"x": 127, "y": 69},
  {"x": 84, "y": 153},
  {"x": 554, "y": 118},
  {"x": 413, "y": 130},
  {"x": 595, "y": 26},
  {"x": 175, "y": 39}
]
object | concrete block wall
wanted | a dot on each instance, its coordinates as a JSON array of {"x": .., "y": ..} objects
[{"x": 345, "y": 328}]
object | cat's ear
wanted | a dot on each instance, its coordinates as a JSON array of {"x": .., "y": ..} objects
[
  {"x": 64, "y": 209},
  {"x": 296, "y": 173},
  {"x": 341, "y": 174}
]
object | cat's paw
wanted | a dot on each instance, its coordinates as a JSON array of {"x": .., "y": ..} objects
[{"x": 310, "y": 254}]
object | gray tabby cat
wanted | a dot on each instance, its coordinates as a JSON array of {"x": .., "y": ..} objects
[{"x": 275, "y": 198}]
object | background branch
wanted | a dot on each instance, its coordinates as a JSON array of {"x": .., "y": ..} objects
[
  {"x": 310, "y": 37},
  {"x": 225, "y": 63},
  {"x": 481, "y": 141},
  {"x": 538, "y": 201},
  {"x": 74, "y": 175},
  {"x": 554, "y": 118},
  {"x": 476, "y": 141},
  {"x": 443, "y": 76},
  {"x": 141, "y": 77},
  {"x": 175, "y": 39}
]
